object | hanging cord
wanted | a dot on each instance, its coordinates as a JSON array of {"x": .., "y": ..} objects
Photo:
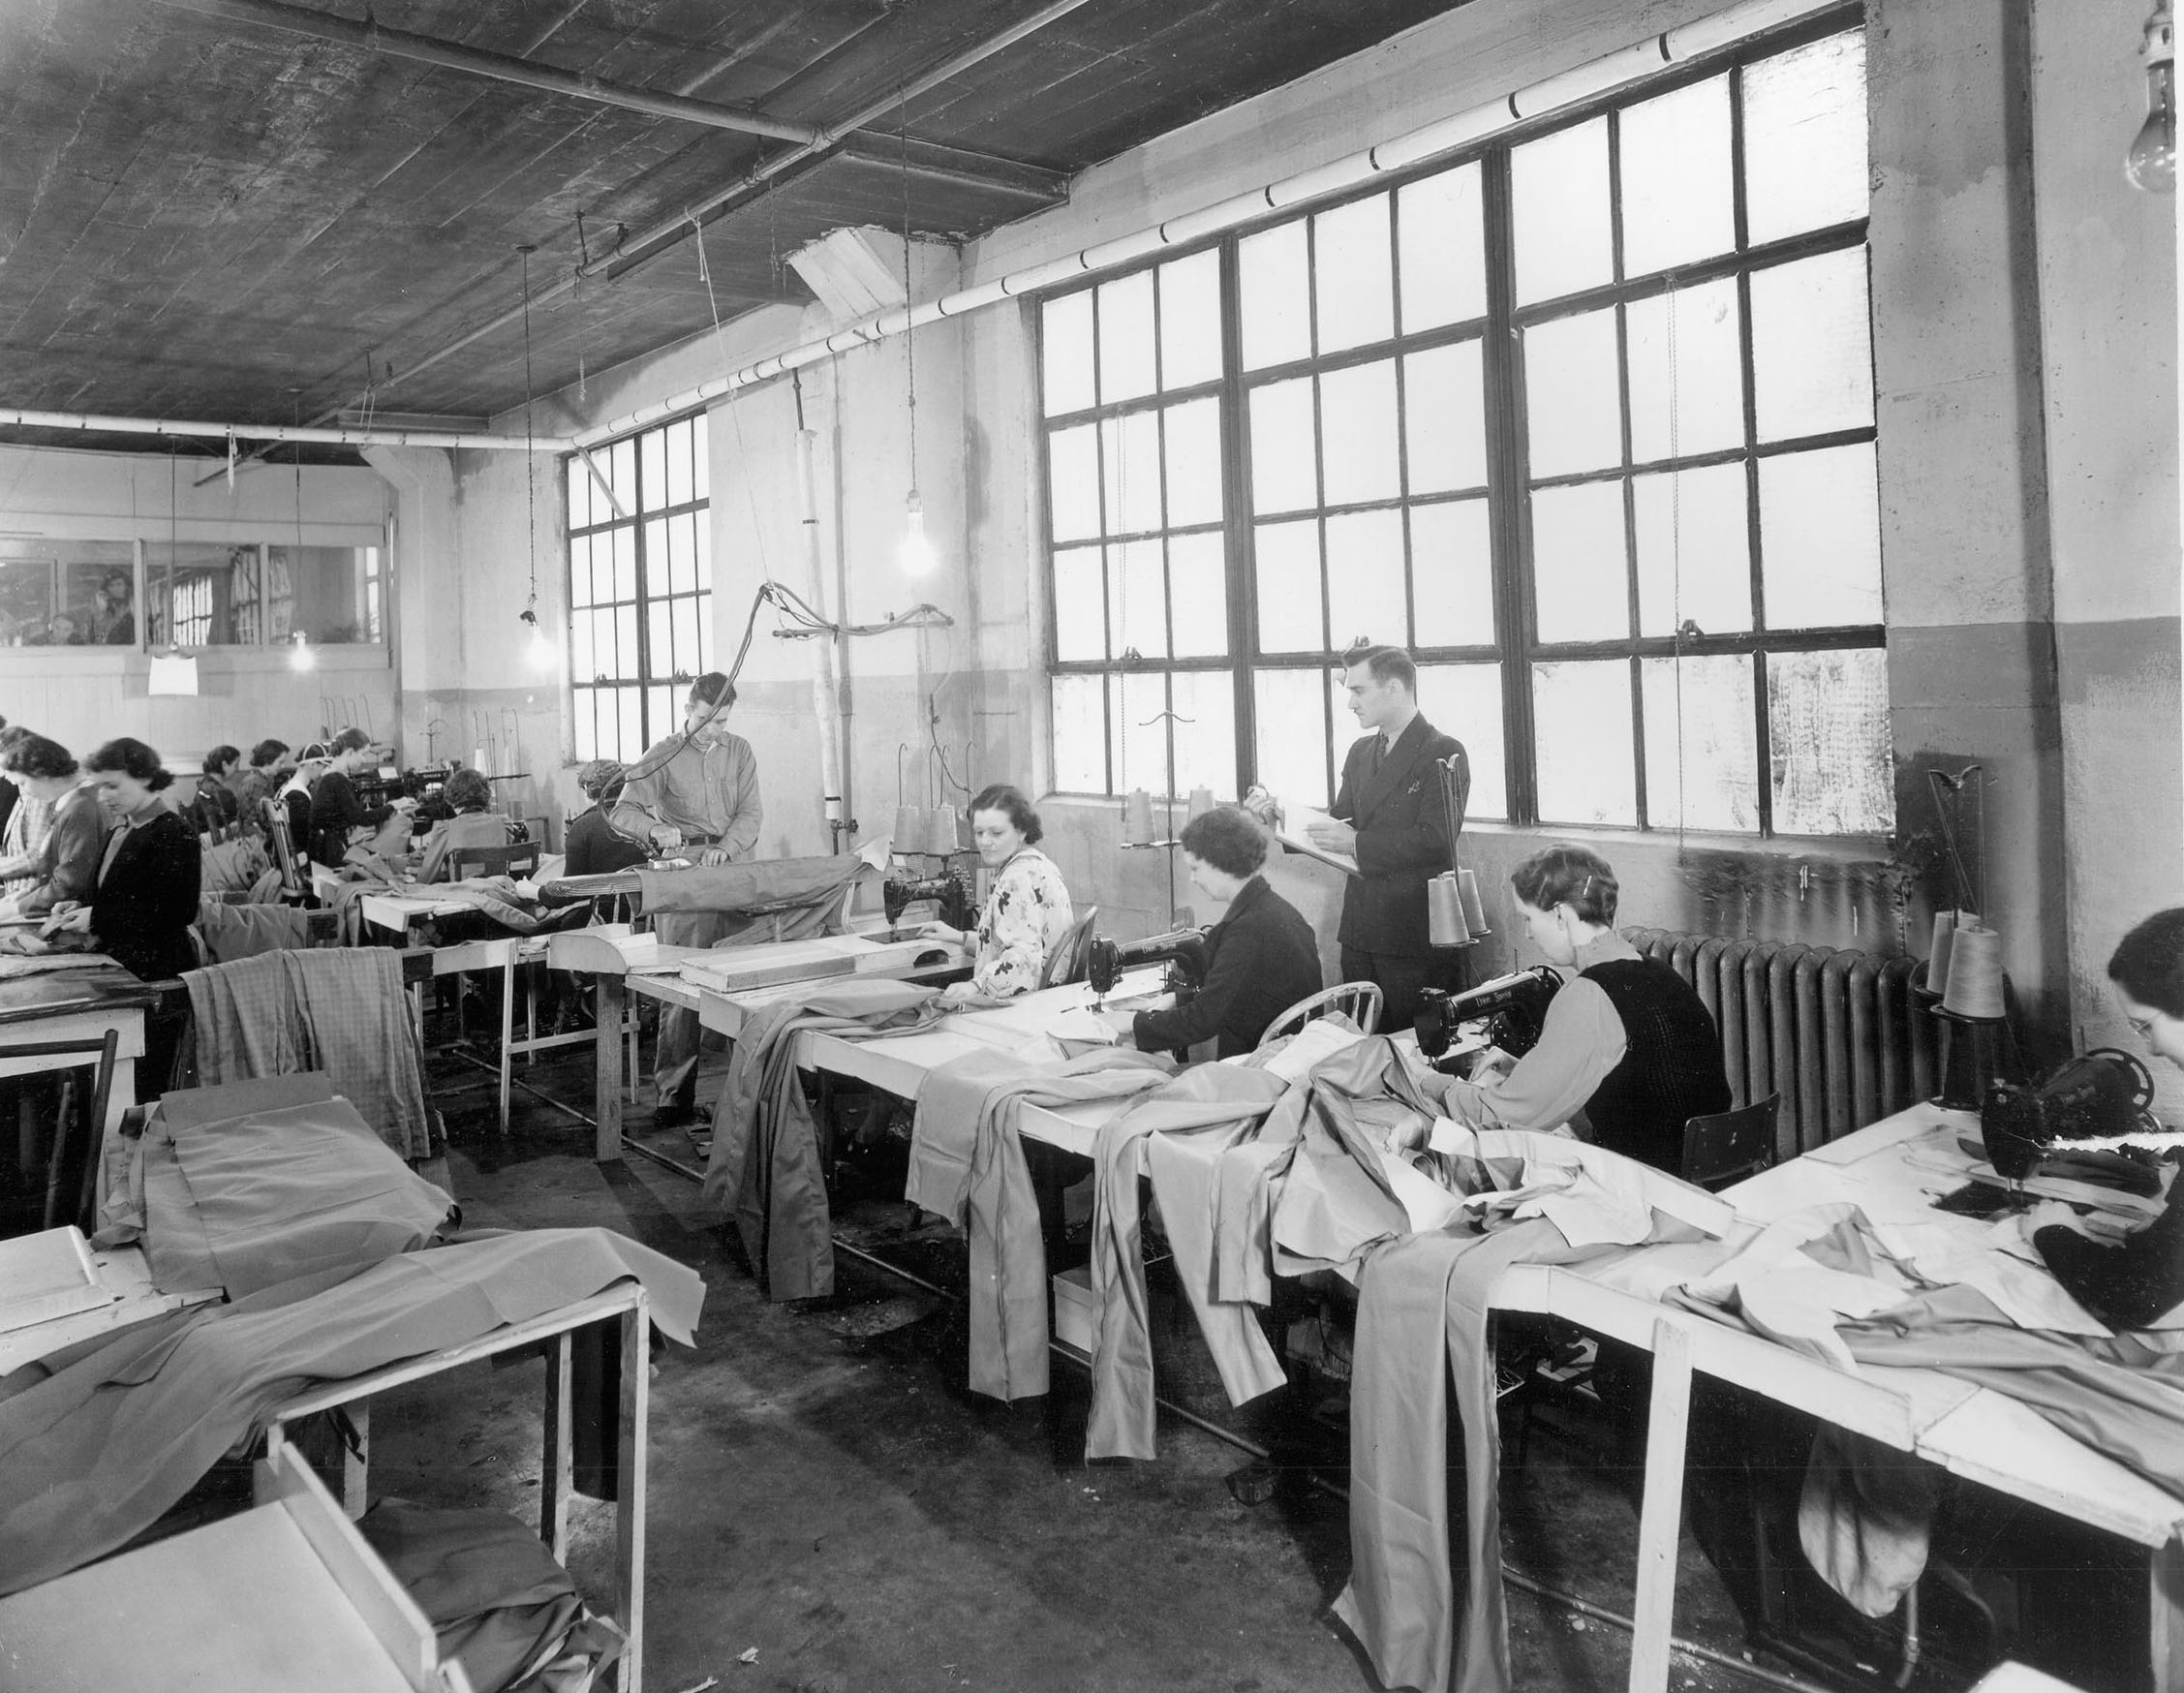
[
  {"x": 909, "y": 337},
  {"x": 1676, "y": 558},
  {"x": 530, "y": 465}
]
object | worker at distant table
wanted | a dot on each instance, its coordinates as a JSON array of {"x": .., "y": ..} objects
[
  {"x": 1390, "y": 817},
  {"x": 695, "y": 795}
]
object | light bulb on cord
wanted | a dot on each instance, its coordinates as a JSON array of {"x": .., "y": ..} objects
[
  {"x": 537, "y": 645},
  {"x": 2151, "y": 163},
  {"x": 300, "y": 656},
  {"x": 916, "y": 552}
]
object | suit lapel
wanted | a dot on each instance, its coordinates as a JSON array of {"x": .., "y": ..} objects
[{"x": 1398, "y": 767}]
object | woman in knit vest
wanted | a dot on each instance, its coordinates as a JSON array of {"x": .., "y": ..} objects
[{"x": 1626, "y": 1041}]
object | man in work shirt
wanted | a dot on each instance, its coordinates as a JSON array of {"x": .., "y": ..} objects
[{"x": 694, "y": 794}]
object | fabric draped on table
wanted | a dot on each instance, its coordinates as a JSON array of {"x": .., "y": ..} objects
[
  {"x": 494, "y": 898},
  {"x": 341, "y": 1010},
  {"x": 765, "y": 1164},
  {"x": 233, "y": 866},
  {"x": 803, "y": 894},
  {"x": 244, "y": 1186},
  {"x": 98, "y": 1440},
  {"x": 233, "y": 932},
  {"x": 967, "y": 1164}
]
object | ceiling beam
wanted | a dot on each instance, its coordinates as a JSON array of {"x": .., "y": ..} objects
[{"x": 932, "y": 162}]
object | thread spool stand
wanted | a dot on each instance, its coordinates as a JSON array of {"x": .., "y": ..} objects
[
  {"x": 1975, "y": 1051},
  {"x": 1167, "y": 845}
]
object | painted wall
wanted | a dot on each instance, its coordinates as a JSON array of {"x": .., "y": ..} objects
[{"x": 83, "y": 695}]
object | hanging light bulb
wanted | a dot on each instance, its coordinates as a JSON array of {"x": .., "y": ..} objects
[
  {"x": 301, "y": 657},
  {"x": 2151, "y": 163},
  {"x": 537, "y": 645},
  {"x": 916, "y": 552}
]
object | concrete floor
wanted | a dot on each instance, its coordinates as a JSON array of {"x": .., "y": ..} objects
[{"x": 824, "y": 1496}]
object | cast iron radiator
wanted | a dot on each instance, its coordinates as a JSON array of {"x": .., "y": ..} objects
[{"x": 1838, "y": 1033}]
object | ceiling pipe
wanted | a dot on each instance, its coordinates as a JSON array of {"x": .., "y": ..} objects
[
  {"x": 498, "y": 67},
  {"x": 342, "y": 436},
  {"x": 1570, "y": 88}
]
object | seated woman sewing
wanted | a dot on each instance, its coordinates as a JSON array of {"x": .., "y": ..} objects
[
  {"x": 2133, "y": 1282},
  {"x": 1028, "y": 914},
  {"x": 65, "y": 868},
  {"x": 1261, "y": 957},
  {"x": 471, "y": 824},
  {"x": 1627, "y": 1040}
]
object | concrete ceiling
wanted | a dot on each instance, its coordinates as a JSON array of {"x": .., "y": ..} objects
[{"x": 209, "y": 209}]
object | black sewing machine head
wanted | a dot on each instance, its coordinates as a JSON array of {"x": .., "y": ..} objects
[
  {"x": 1514, "y": 1006},
  {"x": 1184, "y": 951},
  {"x": 956, "y": 909},
  {"x": 2102, "y": 1092}
]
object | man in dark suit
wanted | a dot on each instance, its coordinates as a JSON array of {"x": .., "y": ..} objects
[{"x": 1391, "y": 818}]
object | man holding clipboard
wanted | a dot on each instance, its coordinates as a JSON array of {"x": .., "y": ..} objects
[{"x": 1389, "y": 817}]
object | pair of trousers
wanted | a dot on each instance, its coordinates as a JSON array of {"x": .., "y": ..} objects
[
  {"x": 1401, "y": 977},
  {"x": 674, "y": 1063}
]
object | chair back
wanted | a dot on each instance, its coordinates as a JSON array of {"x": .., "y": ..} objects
[
  {"x": 1067, "y": 961},
  {"x": 1359, "y": 1001},
  {"x": 518, "y": 858},
  {"x": 1730, "y": 1145},
  {"x": 282, "y": 845}
]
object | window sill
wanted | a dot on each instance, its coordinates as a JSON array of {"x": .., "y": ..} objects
[{"x": 1845, "y": 849}]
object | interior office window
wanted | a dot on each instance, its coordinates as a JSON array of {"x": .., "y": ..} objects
[
  {"x": 329, "y": 594},
  {"x": 1585, "y": 421},
  {"x": 67, "y": 592},
  {"x": 197, "y": 594},
  {"x": 641, "y": 585}
]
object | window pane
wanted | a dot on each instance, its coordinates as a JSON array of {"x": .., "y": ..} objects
[
  {"x": 663, "y": 721},
  {"x": 1074, "y": 482},
  {"x": 1125, "y": 338},
  {"x": 1198, "y": 596},
  {"x": 652, "y": 458},
  {"x": 620, "y": 461},
  {"x": 1442, "y": 250},
  {"x": 1080, "y": 734},
  {"x": 625, "y": 642},
  {"x": 604, "y": 661},
  {"x": 1357, "y": 437},
  {"x": 580, "y": 570},
  {"x": 1804, "y": 138},
  {"x": 625, "y": 561},
  {"x": 701, "y": 464},
  {"x": 1579, "y": 563},
  {"x": 1204, "y": 702},
  {"x": 579, "y": 492},
  {"x": 1560, "y": 212},
  {"x": 682, "y": 553},
  {"x": 1828, "y": 725},
  {"x": 1581, "y": 724},
  {"x": 1694, "y": 551},
  {"x": 1365, "y": 579},
  {"x": 1291, "y": 710},
  {"x": 705, "y": 633},
  {"x": 1464, "y": 700},
  {"x": 1131, "y": 460},
  {"x": 1812, "y": 358},
  {"x": 1445, "y": 419},
  {"x": 1065, "y": 354},
  {"x": 586, "y": 727},
  {"x": 1575, "y": 421},
  {"x": 689, "y": 660},
  {"x": 1354, "y": 287},
  {"x": 603, "y": 567},
  {"x": 1193, "y": 439},
  {"x": 659, "y": 629},
  {"x": 633, "y": 721},
  {"x": 1287, "y": 574},
  {"x": 1676, "y": 178},
  {"x": 678, "y": 463},
  {"x": 1451, "y": 574},
  {"x": 1820, "y": 544},
  {"x": 656, "y": 556},
  {"x": 1138, "y": 731},
  {"x": 1137, "y": 609},
  {"x": 1285, "y": 473},
  {"x": 1190, "y": 320},
  {"x": 1687, "y": 376},
  {"x": 1713, "y": 781},
  {"x": 581, "y": 664},
  {"x": 1275, "y": 297},
  {"x": 1079, "y": 601}
]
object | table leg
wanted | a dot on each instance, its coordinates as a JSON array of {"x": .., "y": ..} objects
[
  {"x": 629, "y": 1487},
  {"x": 1660, "y": 1518},
  {"x": 508, "y": 1030},
  {"x": 2165, "y": 1595},
  {"x": 606, "y": 1072},
  {"x": 121, "y": 1099},
  {"x": 556, "y": 1465}
]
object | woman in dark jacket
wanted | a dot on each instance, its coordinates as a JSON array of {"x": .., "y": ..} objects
[
  {"x": 593, "y": 847},
  {"x": 1260, "y": 958},
  {"x": 148, "y": 882}
]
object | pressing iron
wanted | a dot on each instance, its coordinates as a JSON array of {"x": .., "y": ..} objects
[
  {"x": 1515, "y": 1007},
  {"x": 1184, "y": 951}
]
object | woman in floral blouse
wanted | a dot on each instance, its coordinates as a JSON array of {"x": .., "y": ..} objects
[{"x": 1028, "y": 914}]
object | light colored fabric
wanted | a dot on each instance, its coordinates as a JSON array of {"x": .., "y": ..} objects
[
  {"x": 453, "y": 833},
  {"x": 1026, "y": 916},
  {"x": 1580, "y": 1042},
  {"x": 96, "y": 1441},
  {"x": 805, "y": 892},
  {"x": 233, "y": 866},
  {"x": 1866, "y": 1517},
  {"x": 233, "y": 932},
  {"x": 703, "y": 788}
]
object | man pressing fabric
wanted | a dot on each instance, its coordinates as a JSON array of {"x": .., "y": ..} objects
[
  {"x": 694, "y": 795},
  {"x": 1261, "y": 956}
]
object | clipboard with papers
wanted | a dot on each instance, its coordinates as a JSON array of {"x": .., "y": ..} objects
[{"x": 1293, "y": 834}]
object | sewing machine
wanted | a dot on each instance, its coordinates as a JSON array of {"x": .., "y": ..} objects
[
  {"x": 2039, "y": 1128},
  {"x": 1183, "y": 950},
  {"x": 1513, "y": 1009},
  {"x": 951, "y": 890}
]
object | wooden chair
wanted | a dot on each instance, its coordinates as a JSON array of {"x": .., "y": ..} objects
[
  {"x": 279, "y": 844},
  {"x": 1066, "y": 963},
  {"x": 1359, "y": 1001},
  {"x": 1730, "y": 1145},
  {"x": 518, "y": 858}
]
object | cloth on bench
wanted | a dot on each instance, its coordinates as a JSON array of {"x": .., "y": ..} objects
[{"x": 233, "y": 932}]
